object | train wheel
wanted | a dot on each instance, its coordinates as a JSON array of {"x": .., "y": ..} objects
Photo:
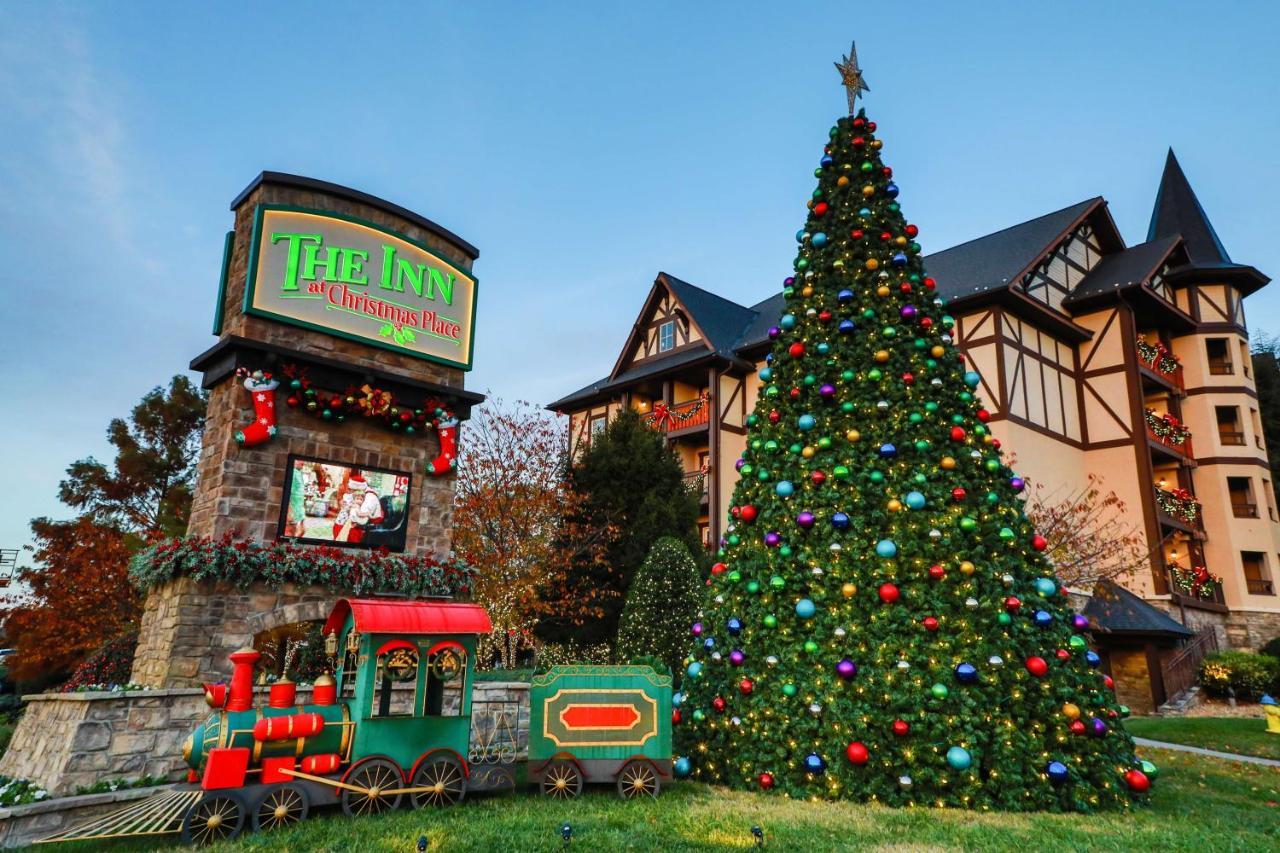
[
  {"x": 638, "y": 779},
  {"x": 374, "y": 777},
  {"x": 218, "y": 816},
  {"x": 562, "y": 780},
  {"x": 281, "y": 807},
  {"x": 445, "y": 779}
]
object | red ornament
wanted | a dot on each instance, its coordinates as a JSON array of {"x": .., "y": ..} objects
[
  {"x": 747, "y": 513},
  {"x": 774, "y": 416},
  {"x": 1108, "y": 683},
  {"x": 292, "y": 401},
  {"x": 957, "y": 433},
  {"x": 1137, "y": 781},
  {"x": 905, "y": 287},
  {"x": 908, "y": 379},
  {"x": 856, "y": 233},
  {"x": 984, "y": 415},
  {"x": 912, "y": 230},
  {"x": 995, "y": 442},
  {"x": 818, "y": 477},
  {"x": 888, "y": 171},
  {"x": 889, "y": 593},
  {"x": 795, "y": 393},
  {"x": 796, "y": 350},
  {"x": 719, "y": 704},
  {"x": 820, "y": 209},
  {"x": 718, "y": 569},
  {"x": 1039, "y": 542},
  {"x": 885, "y": 236},
  {"x": 746, "y": 686},
  {"x": 675, "y": 717},
  {"x": 958, "y": 494},
  {"x": 937, "y": 572},
  {"x": 1012, "y": 604},
  {"x": 1037, "y": 666},
  {"x": 930, "y": 283},
  {"x": 1063, "y": 655},
  {"x": 1077, "y": 727},
  {"x": 824, "y": 316},
  {"x": 766, "y": 781},
  {"x": 930, "y": 623},
  {"x": 871, "y": 127},
  {"x": 857, "y": 753},
  {"x": 900, "y": 728},
  {"x": 926, "y": 323}
]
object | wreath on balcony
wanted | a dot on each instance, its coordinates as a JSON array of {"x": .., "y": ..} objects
[
  {"x": 1167, "y": 428},
  {"x": 672, "y": 417},
  {"x": 1197, "y": 582},
  {"x": 1178, "y": 503},
  {"x": 1158, "y": 356}
]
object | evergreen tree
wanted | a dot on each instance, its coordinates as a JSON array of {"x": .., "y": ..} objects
[
  {"x": 1266, "y": 375},
  {"x": 881, "y": 624},
  {"x": 631, "y": 482},
  {"x": 660, "y": 605}
]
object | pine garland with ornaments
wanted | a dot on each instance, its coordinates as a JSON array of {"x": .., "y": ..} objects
[{"x": 882, "y": 624}]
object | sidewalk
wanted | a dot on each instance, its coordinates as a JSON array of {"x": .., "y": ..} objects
[{"x": 1211, "y": 753}]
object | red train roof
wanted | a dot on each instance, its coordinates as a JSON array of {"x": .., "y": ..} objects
[{"x": 392, "y": 616}]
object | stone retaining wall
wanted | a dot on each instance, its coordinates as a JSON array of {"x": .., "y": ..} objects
[
  {"x": 66, "y": 740},
  {"x": 22, "y": 825}
]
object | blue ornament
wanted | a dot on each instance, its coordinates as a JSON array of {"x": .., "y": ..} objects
[
  {"x": 846, "y": 327},
  {"x": 1091, "y": 658},
  {"x": 682, "y": 768},
  {"x": 806, "y": 422},
  {"x": 839, "y": 521},
  {"x": 826, "y": 161},
  {"x": 845, "y": 296},
  {"x": 735, "y": 625},
  {"x": 813, "y": 763},
  {"x": 1057, "y": 772},
  {"x": 864, "y": 211},
  {"x": 677, "y": 699},
  {"x": 971, "y": 379},
  {"x": 806, "y": 608},
  {"x": 800, "y": 235},
  {"x": 819, "y": 239},
  {"x": 788, "y": 321},
  {"x": 1046, "y": 587},
  {"x": 694, "y": 669},
  {"x": 888, "y": 451},
  {"x": 959, "y": 758},
  {"x": 766, "y": 374},
  {"x": 885, "y": 548},
  {"x": 784, "y": 489},
  {"x": 1043, "y": 618},
  {"x": 915, "y": 500},
  {"x": 900, "y": 259},
  {"x": 966, "y": 673},
  {"x": 709, "y": 642},
  {"x": 891, "y": 190}
]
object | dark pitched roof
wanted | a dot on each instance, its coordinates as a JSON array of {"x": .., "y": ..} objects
[
  {"x": 995, "y": 260},
  {"x": 1114, "y": 610},
  {"x": 720, "y": 319},
  {"x": 1123, "y": 269},
  {"x": 767, "y": 313},
  {"x": 1178, "y": 211},
  {"x": 649, "y": 367}
]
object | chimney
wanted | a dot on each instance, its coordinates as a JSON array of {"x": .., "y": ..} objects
[
  {"x": 283, "y": 693},
  {"x": 241, "y": 694}
]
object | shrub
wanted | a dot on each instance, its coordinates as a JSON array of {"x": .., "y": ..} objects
[
  {"x": 1271, "y": 649},
  {"x": 111, "y": 664},
  {"x": 15, "y": 792},
  {"x": 1248, "y": 674},
  {"x": 660, "y": 606}
]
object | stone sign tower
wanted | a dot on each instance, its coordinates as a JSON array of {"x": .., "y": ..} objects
[{"x": 354, "y": 292}]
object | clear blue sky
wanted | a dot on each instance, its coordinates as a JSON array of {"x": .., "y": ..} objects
[{"x": 583, "y": 147}]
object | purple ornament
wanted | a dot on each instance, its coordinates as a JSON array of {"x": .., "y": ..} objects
[
  {"x": 805, "y": 519},
  {"x": 774, "y": 331},
  {"x": 738, "y": 465},
  {"x": 1017, "y": 484},
  {"x": 1079, "y": 623},
  {"x": 736, "y": 657},
  {"x": 846, "y": 669},
  {"x": 788, "y": 281},
  {"x": 827, "y": 391},
  {"x": 1097, "y": 728},
  {"x": 697, "y": 629},
  {"x": 908, "y": 312},
  {"x": 772, "y": 539}
]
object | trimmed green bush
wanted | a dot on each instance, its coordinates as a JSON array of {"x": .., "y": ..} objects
[
  {"x": 1248, "y": 674},
  {"x": 660, "y": 607}
]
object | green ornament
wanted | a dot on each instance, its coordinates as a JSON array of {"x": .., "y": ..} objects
[
  {"x": 931, "y": 407},
  {"x": 874, "y": 374},
  {"x": 876, "y": 477},
  {"x": 968, "y": 525},
  {"x": 698, "y": 715},
  {"x": 810, "y": 379},
  {"x": 915, "y": 418},
  {"x": 771, "y": 445},
  {"x": 1077, "y": 643},
  {"x": 747, "y": 469},
  {"x": 1007, "y": 534},
  {"x": 784, "y": 551},
  {"x": 939, "y": 691},
  {"x": 847, "y": 407},
  {"x": 734, "y": 539},
  {"x": 795, "y": 448},
  {"x": 762, "y": 475},
  {"x": 777, "y": 582},
  {"x": 810, "y": 646},
  {"x": 824, "y": 443},
  {"x": 993, "y": 498},
  {"x": 922, "y": 444},
  {"x": 735, "y": 576},
  {"x": 847, "y": 375},
  {"x": 771, "y": 621},
  {"x": 840, "y": 472},
  {"x": 753, "y": 587},
  {"x": 326, "y": 414},
  {"x": 788, "y": 690},
  {"x": 1004, "y": 619},
  {"x": 889, "y": 332},
  {"x": 992, "y": 465}
]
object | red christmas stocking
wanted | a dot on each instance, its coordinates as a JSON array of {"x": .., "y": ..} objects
[
  {"x": 447, "y": 428},
  {"x": 263, "y": 389}
]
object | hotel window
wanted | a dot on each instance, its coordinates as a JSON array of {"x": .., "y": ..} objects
[
  {"x": 667, "y": 336},
  {"x": 1256, "y": 577},
  {"x": 1219, "y": 356},
  {"x": 1242, "y": 503},
  {"x": 1229, "y": 429},
  {"x": 598, "y": 423}
]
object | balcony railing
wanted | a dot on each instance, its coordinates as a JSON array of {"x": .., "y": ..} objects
[
  {"x": 1168, "y": 431},
  {"x": 1178, "y": 504},
  {"x": 1196, "y": 585},
  {"x": 1244, "y": 510},
  {"x": 678, "y": 416},
  {"x": 1231, "y": 437},
  {"x": 1220, "y": 368},
  {"x": 1258, "y": 586},
  {"x": 1159, "y": 360},
  {"x": 696, "y": 483}
]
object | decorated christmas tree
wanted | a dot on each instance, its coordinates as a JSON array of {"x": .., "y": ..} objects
[{"x": 881, "y": 623}]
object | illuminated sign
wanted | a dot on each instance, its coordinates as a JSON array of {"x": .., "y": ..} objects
[{"x": 358, "y": 280}]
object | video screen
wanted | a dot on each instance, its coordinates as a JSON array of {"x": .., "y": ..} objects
[{"x": 330, "y": 503}]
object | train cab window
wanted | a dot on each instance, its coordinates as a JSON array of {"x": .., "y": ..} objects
[
  {"x": 446, "y": 670},
  {"x": 395, "y": 683},
  {"x": 350, "y": 660}
]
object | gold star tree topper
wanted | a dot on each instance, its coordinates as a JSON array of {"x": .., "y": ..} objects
[{"x": 851, "y": 76}]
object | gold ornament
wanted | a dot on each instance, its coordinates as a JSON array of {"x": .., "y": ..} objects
[
  {"x": 948, "y": 463},
  {"x": 937, "y": 351},
  {"x": 852, "y": 435},
  {"x": 883, "y": 290},
  {"x": 967, "y": 568},
  {"x": 806, "y": 291},
  {"x": 872, "y": 264},
  {"x": 808, "y": 452},
  {"x": 876, "y": 143},
  {"x": 895, "y": 505},
  {"x": 868, "y": 191},
  {"x": 882, "y": 356},
  {"x": 848, "y": 590},
  {"x": 1071, "y": 711},
  {"x": 842, "y": 181}
]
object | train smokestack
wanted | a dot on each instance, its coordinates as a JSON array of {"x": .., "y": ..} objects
[
  {"x": 283, "y": 693},
  {"x": 240, "y": 697}
]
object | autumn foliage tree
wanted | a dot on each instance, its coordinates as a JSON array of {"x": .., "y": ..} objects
[{"x": 80, "y": 597}]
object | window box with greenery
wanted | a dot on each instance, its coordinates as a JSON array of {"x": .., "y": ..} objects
[
  {"x": 1197, "y": 583},
  {"x": 1179, "y": 504},
  {"x": 1158, "y": 357},
  {"x": 1167, "y": 428}
]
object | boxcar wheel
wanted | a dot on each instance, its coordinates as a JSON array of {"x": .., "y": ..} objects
[
  {"x": 217, "y": 816},
  {"x": 638, "y": 779},
  {"x": 281, "y": 807},
  {"x": 374, "y": 776},
  {"x": 562, "y": 780},
  {"x": 446, "y": 780}
]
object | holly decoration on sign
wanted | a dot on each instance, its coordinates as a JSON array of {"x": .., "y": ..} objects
[{"x": 878, "y": 584}]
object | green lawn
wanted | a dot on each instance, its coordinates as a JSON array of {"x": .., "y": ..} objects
[
  {"x": 1240, "y": 735},
  {"x": 1198, "y": 803}
]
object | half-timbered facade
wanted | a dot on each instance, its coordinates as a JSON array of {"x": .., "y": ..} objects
[{"x": 1130, "y": 363}]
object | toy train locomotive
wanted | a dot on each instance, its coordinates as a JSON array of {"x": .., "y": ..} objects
[{"x": 393, "y": 724}]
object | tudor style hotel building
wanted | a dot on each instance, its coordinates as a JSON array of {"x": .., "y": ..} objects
[{"x": 1128, "y": 362}]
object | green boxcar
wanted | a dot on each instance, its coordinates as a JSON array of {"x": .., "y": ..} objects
[{"x": 600, "y": 724}]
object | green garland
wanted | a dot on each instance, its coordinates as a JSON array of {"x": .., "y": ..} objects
[
  {"x": 279, "y": 563},
  {"x": 1196, "y": 582},
  {"x": 1178, "y": 504},
  {"x": 1167, "y": 428}
]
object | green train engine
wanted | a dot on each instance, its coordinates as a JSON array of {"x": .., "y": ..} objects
[{"x": 391, "y": 726}]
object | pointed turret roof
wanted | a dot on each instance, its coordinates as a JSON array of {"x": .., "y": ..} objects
[{"x": 1178, "y": 211}]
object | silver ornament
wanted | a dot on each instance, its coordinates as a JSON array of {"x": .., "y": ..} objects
[
  {"x": 817, "y": 571},
  {"x": 935, "y": 382},
  {"x": 815, "y": 709},
  {"x": 935, "y": 534},
  {"x": 1007, "y": 580},
  {"x": 772, "y": 660},
  {"x": 883, "y": 405},
  {"x": 903, "y": 665},
  {"x": 995, "y": 660},
  {"x": 834, "y": 548},
  {"x": 737, "y": 721},
  {"x": 715, "y": 656},
  {"x": 840, "y": 632},
  {"x": 971, "y": 603},
  {"x": 904, "y": 782}
]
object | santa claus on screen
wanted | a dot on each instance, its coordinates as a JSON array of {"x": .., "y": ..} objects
[{"x": 360, "y": 508}]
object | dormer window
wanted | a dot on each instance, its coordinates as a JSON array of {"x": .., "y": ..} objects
[{"x": 667, "y": 336}]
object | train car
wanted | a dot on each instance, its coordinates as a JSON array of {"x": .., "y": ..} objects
[{"x": 600, "y": 724}]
